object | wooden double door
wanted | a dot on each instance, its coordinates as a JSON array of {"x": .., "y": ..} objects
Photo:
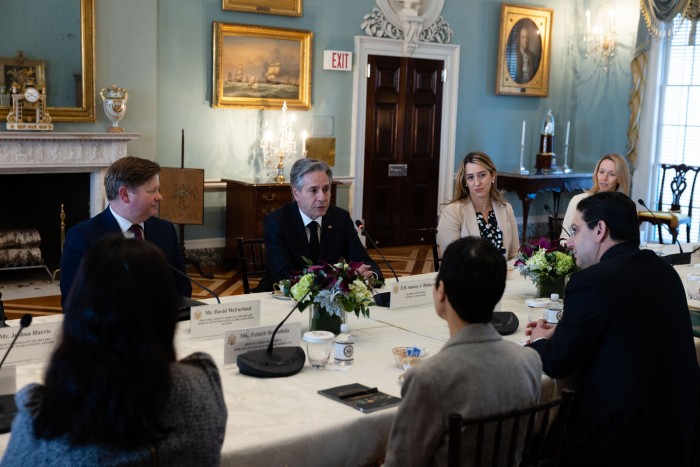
[{"x": 402, "y": 149}]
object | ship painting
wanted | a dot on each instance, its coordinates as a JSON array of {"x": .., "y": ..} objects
[{"x": 273, "y": 73}]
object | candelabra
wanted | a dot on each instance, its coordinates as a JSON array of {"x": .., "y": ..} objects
[
  {"x": 277, "y": 152},
  {"x": 601, "y": 39}
]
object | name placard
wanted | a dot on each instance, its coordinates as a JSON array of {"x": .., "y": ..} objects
[
  {"x": 245, "y": 340},
  {"x": 35, "y": 343},
  {"x": 215, "y": 320},
  {"x": 412, "y": 293}
]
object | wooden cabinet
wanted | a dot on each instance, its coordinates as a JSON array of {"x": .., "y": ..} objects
[{"x": 247, "y": 204}]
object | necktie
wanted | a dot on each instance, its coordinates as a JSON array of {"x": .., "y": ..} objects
[
  {"x": 137, "y": 230},
  {"x": 313, "y": 240}
]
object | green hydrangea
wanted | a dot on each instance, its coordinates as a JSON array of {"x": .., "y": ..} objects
[
  {"x": 301, "y": 288},
  {"x": 564, "y": 263}
]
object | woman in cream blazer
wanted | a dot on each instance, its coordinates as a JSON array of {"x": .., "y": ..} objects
[{"x": 475, "y": 192}]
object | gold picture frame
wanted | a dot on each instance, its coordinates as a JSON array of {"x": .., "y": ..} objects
[
  {"x": 19, "y": 69},
  {"x": 269, "y": 7},
  {"x": 261, "y": 67},
  {"x": 525, "y": 29}
]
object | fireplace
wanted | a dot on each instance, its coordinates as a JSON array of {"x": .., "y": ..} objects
[{"x": 40, "y": 171}]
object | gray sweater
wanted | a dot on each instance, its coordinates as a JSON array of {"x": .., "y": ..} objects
[{"x": 195, "y": 410}]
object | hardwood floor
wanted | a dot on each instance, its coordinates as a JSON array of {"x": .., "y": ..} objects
[{"x": 406, "y": 261}]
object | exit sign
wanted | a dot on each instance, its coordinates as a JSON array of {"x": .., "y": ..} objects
[{"x": 337, "y": 60}]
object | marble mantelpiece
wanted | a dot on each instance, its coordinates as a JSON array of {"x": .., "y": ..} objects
[{"x": 58, "y": 152}]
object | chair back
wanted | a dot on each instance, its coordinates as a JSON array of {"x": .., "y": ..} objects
[
  {"x": 251, "y": 255},
  {"x": 680, "y": 178},
  {"x": 526, "y": 437},
  {"x": 436, "y": 249}
]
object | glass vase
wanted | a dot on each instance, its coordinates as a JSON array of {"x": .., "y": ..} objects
[
  {"x": 321, "y": 320},
  {"x": 547, "y": 286}
]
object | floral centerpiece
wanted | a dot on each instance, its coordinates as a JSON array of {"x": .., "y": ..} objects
[
  {"x": 331, "y": 290},
  {"x": 546, "y": 264}
]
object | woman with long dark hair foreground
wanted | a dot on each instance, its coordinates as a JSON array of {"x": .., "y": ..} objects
[{"x": 114, "y": 393}]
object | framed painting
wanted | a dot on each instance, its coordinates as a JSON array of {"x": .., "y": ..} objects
[
  {"x": 270, "y": 7},
  {"x": 523, "y": 51},
  {"x": 261, "y": 67},
  {"x": 18, "y": 70},
  {"x": 183, "y": 195}
]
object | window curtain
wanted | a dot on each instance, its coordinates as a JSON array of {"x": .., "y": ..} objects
[
  {"x": 639, "y": 70},
  {"x": 657, "y": 16},
  {"x": 657, "y": 13}
]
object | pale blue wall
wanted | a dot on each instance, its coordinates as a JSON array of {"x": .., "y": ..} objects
[{"x": 161, "y": 51}]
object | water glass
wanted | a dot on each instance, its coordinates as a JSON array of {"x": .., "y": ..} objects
[
  {"x": 692, "y": 285},
  {"x": 319, "y": 345}
]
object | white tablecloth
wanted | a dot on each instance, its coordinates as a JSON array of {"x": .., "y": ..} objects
[{"x": 284, "y": 422}]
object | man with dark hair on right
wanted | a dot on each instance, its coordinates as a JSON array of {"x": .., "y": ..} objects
[
  {"x": 625, "y": 335},
  {"x": 476, "y": 373}
]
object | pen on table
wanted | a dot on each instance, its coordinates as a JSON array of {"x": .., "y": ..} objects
[{"x": 356, "y": 392}]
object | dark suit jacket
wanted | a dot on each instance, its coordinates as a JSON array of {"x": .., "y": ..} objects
[
  {"x": 626, "y": 331},
  {"x": 286, "y": 243},
  {"x": 82, "y": 235}
]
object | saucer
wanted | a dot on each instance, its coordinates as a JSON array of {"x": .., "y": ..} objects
[
  {"x": 540, "y": 302},
  {"x": 280, "y": 296}
]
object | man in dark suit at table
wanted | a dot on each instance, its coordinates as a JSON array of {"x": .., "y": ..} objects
[
  {"x": 292, "y": 231},
  {"x": 626, "y": 336},
  {"x": 133, "y": 191}
]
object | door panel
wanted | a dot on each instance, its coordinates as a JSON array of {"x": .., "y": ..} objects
[{"x": 404, "y": 104}]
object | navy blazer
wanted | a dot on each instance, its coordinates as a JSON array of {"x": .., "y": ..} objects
[
  {"x": 286, "y": 242},
  {"x": 157, "y": 231},
  {"x": 626, "y": 334}
]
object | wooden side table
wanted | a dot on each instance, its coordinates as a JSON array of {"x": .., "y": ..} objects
[
  {"x": 248, "y": 202},
  {"x": 529, "y": 186}
]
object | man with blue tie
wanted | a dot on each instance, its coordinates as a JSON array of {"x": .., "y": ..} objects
[
  {"x": 133, "y": 191},
  {"x": 310, "y": 227}
]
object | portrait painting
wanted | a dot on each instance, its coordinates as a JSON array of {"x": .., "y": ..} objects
[
  {"x": 523, "y": 59},
  {"x": 261, "y": 67}
]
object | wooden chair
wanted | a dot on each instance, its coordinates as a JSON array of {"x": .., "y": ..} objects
[
  {"x": 251, "y": 254},
  {"x": 540, "y": 443},
  {"x": 436, "y": 249},
  {"x": 681, "y": 184}
]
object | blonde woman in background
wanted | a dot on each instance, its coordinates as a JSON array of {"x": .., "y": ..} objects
[
  {"x": 611, "y": 174},
  {"x": 478, "y": 208}
]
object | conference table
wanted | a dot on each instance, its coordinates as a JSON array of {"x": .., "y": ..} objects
[{"x": 284, "y": 422}]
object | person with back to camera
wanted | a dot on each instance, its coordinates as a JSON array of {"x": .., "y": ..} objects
[
  {"x": 132, "y": 186},
  {"x": 479, "y": 208},
  {"x": 626, "y": 338},
  {"x": 113, "y": 392},
  {"x": 476, "y": 373},
  {"x": 611, "y": 174}
]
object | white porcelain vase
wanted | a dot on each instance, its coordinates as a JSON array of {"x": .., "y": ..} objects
[{"x": 114, "y": 105}]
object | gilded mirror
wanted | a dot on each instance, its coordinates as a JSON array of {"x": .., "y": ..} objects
[{"x": 57, "y": 40}]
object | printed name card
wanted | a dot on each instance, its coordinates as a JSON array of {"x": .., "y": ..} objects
[
  {"x": 215, "y": 320},
  {"x": 36, "y": 342},
  {"x": 412, "y": 292},
  {"x": 246, "y": 340}
]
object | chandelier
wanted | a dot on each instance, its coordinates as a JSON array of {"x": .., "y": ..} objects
[
  {"x": 280, "y": 150},
  {"x": 601, "y": 38}
]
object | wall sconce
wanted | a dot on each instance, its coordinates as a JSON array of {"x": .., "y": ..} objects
[
  {"x": 277, "y": 152},
  {"x": 601, "y": 38}
]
